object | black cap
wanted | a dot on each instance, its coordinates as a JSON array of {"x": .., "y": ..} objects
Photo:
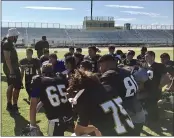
[{"x": 106, "y": 57}]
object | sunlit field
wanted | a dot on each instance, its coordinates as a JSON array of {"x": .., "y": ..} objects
[{"x": 12, "y": 126}]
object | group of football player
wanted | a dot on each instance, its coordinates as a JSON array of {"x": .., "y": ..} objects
[{"x": 109, "y": 95}]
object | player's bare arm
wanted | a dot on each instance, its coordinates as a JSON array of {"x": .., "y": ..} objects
[
  {"x": 8, "y": 61},
  {"x": 33, "y": 106},
  {"x": 80, "y": 130},
  {"x": 22, "y": 71},
  {"x": 165, "y": 80}
]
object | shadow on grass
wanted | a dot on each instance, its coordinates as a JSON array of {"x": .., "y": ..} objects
[
  {"x": 3, "y": 78},
  {"x": 20, "y": 122},
  {"x": 165, "y": 125},
  {"x": 41, "y": 110},
  {"x": 162, "y": 126}
]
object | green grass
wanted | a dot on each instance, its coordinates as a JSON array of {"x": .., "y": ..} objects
[{"x": 11, "y": 126}]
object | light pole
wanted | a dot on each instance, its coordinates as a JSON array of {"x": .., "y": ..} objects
[{"x": 91, "y": 8}]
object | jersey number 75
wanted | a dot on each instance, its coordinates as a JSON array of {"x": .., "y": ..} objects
[{"x": 115, "y": 107}]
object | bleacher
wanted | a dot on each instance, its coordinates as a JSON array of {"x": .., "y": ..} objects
[{"x": 81, "y": 36}]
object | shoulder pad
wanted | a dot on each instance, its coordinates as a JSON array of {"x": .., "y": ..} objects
[{"x": 109, "y": 73}]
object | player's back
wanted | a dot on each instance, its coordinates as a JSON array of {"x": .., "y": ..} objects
[
  {"x": 121, "y": 80},
  {"x": 123, "y": 83},
  {"x": 53, "y": 96},
  {"x": 104, "y": 111}
]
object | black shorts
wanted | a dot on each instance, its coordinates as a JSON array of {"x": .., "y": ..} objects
[
  {"x": 16, "y": 82},
  {"x": 28, "y": 88}
]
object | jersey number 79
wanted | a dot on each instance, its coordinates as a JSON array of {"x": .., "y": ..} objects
[{"x": 53, "y": 96}]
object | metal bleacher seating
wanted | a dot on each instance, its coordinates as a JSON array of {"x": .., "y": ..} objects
[{"x": 81, "y": 36}]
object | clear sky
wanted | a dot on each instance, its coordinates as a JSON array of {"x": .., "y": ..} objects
[{"x": 73, "y": 12}]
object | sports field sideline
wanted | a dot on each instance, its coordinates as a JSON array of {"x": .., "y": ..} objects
[{"x": 12, "y": 126}]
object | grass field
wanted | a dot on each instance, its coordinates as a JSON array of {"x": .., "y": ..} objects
[{"x": 11, "y": 126}]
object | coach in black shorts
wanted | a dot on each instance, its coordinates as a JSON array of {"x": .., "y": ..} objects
[
  {"x": 156, "y": 71},
  {"x": 11, "y": 70}
]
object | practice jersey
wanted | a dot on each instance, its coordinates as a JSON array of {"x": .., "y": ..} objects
[
  {"x": 9, "y": 46},
  {"x": 98, "y": 106},
  {"x": 51, "y": 92},
  {"x": 124, "y": 85},
  {"x": 155, "y": 72},
  {"x": 120, "y": 80},
  {"x": 30, "y": 67},
  {"x": 93, "y": 62}
]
